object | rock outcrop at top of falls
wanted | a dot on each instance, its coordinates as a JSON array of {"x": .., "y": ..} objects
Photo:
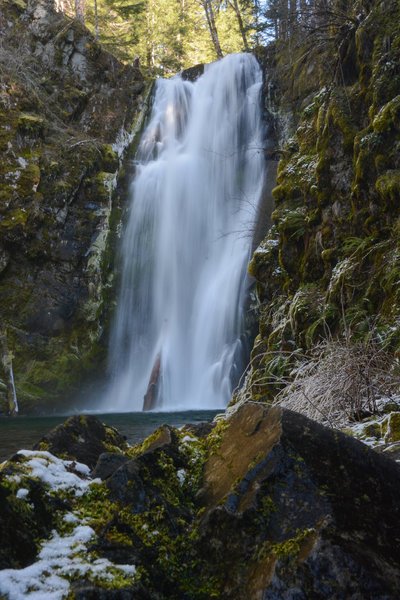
[
  {"x": 263, "y": 504},
  {"x": 67, "y": 109}
]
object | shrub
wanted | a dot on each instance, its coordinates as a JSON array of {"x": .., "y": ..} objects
[{"x": 342, "y": 381}]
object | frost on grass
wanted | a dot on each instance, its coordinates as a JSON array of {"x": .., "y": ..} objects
[
  {"x": 60, "y": 560},
  {"x": 382, "y": 432},
  {"x": 342, "y": 382}
]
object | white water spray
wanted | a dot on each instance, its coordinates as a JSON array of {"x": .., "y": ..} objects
[{"x": 188, "y": 240}]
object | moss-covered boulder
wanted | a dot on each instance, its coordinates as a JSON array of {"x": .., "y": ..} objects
[
  {"x": 83, "y": 438},
  {"x": 308, "y": 496},
  {"x": 22, "y": 523},
  {"x": 265, "y": 503}
]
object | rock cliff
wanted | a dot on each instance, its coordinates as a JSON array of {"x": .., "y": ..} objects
[
  {"x": 328, "y": 269},
  {"x": 67, "y": 111}
]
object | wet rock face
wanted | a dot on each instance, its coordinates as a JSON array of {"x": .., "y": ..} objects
[
  {"x": 193, "y": 73},
  {"x": 63, "y": 103}
]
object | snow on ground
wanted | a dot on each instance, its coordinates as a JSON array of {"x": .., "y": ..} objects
[
  {"x": 377, "y": 432},
  {"x": 188, "y": 439},
  {"x": 58, "y": 474},
  {"x": 62, "y": 558},
  {"x": 58, "y": 561}
]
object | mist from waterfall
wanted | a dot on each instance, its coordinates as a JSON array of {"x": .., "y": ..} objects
[{"x": 188, "y": 240}]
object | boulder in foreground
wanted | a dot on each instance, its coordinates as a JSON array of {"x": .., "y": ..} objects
[{"x": 263, "y": 505}]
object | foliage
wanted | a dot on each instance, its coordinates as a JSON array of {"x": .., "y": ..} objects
[{"x": 167, "y": 36}]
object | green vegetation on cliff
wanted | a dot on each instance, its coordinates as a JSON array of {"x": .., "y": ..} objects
[
  {"x": 329, "y": 267},
  {"x": 67, "y": 112}
]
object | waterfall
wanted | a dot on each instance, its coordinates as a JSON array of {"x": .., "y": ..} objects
[{"x": 187, "y": 243}]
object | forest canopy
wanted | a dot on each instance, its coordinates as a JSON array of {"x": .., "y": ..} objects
[
  {"x": 168, "y": 35},
  {"x": 165, "y": 36}
]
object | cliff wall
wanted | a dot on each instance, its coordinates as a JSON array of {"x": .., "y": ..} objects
[
  {"x": 67, "y": 111},
  {"x": 328, "y": 269}
]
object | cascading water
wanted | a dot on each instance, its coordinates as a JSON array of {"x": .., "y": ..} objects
[{"x": 188, "y": 239}]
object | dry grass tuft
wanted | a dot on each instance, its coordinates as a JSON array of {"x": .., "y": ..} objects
[{"x": 342, "y": 381}]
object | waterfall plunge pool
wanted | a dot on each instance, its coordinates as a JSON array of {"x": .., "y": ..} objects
[{"x": 25, "y": 431}]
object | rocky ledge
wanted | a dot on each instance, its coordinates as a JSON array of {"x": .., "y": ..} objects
[{"x": 264, "y": 504}]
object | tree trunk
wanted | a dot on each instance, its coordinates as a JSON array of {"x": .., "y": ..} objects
[
  {"x": 208, "y": 9},
  {"x": 80, "y": 10},
  {"x": 96, "y": 21},
  {"x": 150, "y": 35},
  {"x": 292, "y": 16},
  {"x": 236, "y": 8},
  {"x": 283, "y": 19}
]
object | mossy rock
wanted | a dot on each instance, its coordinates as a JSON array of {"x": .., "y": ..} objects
[
  {"x": 388, "y": 118},
  {"x": 388, "y": 187},
  {"x": 20, "y": 3},
  {"x": 31, "y": 124},
  {"x": 391, "y": 427},
  {"x": 110, "y": 160},
  {"x": 15, "y": 218},
  {"x": 58, "y": 170},
  {"x": 83, "y": 438},
  {"x": 373, "y": 430}
]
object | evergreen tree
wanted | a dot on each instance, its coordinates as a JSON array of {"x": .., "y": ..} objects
[{"x": 169, "y": 35}]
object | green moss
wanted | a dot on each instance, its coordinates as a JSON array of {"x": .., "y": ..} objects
[
  {"x": 139, "y": 449},
  {"x": 373, "y": 430},
  {"x": 15, "y": 218},
  {"x": 318, "y": 100},
  {"x": 287, "y": 549},
  {"x": 214, "y": 439},
  {"x": 265, "y": 253},
  {"x": 291, "y": 224},
  {"x": 388, "y": 118},
  {"x": 20, "y": 3},
  {"x": 383, "y": 162},
  {"x": 391, "y": 427},
  {"x": 109, "y": 159},
  {"x": 388, "y": 187},
  {"x": 305, "y": 308},
  {"x": 31, "y": 124},
  {"x": 267, "y": 507},
  {"x": 329, "y": 255}
]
